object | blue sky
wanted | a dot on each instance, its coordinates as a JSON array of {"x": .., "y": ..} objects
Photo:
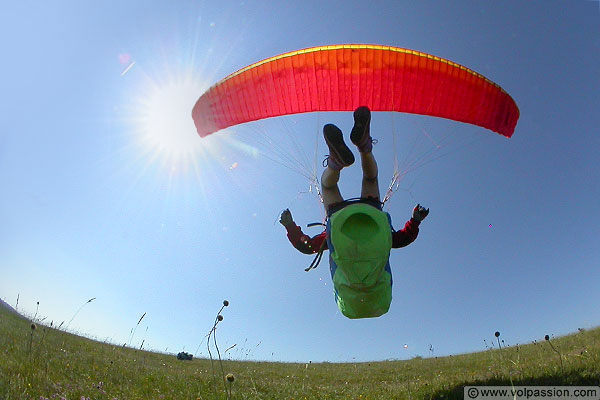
[{"x": 101, "y": 200}]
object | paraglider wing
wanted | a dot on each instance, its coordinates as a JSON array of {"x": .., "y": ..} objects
[{"x": 344, "y": 77}]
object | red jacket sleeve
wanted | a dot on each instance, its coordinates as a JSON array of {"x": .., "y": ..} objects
[
  {"x": 304, "y": 243},
  {"x": 407, "y": 235}
]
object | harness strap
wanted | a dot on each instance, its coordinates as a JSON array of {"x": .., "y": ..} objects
[
  {"x": 375, "y": 202},
  {"x": 318, "y": 257}
]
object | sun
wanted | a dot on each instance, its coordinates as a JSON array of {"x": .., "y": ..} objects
[
  {"x": 162, "y": 123},
  {"x": 162, "y": 140}
]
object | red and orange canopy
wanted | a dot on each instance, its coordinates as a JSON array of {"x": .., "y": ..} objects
[{"x": 344, "y": 77}]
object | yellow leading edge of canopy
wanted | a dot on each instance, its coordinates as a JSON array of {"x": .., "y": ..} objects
[{"x": 359, "y": 46}]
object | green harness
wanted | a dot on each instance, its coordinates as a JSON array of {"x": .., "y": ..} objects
[{"x": 359, "y": 241}]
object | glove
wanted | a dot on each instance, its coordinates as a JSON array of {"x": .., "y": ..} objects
[
  {"x": 286, "y": 218},
  {"x": 420, "y": 212}
]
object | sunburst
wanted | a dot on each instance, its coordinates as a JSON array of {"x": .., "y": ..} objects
[{"x": 162, "y": 121}]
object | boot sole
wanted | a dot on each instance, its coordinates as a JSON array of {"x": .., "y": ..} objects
[
  {"x": 335, "y": 141},
  {"x": 362, "y": 118}
]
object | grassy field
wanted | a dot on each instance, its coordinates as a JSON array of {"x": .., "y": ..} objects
[{"x": 45, "y": 363}]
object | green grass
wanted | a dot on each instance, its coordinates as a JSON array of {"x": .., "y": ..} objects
[{"x": 46, "y": 363}]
